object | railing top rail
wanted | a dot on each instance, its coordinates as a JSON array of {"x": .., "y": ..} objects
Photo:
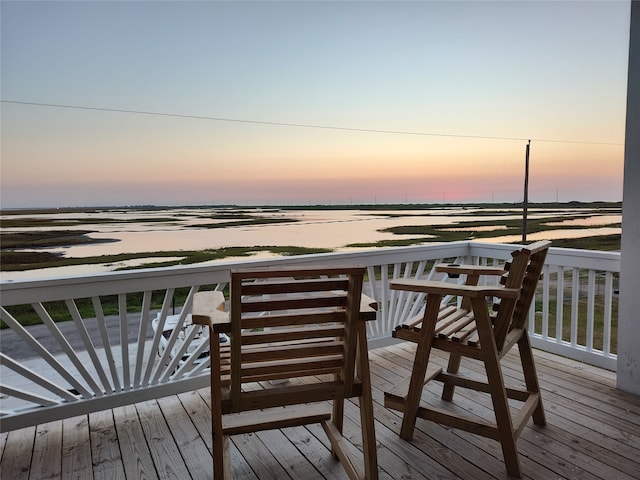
[
  {"x": 42, "y": 290},
  {"x": 592, "y": 259},
  {"x": 110, "y": 283},
  {"x": 567, "y": 257}
]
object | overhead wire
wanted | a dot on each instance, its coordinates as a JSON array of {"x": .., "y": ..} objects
[{"x": 299, "y": 125}]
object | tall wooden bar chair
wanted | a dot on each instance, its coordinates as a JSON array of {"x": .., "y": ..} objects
[
  {"x": 298, "y": 340},
  {"x": 474, "y": 331}
]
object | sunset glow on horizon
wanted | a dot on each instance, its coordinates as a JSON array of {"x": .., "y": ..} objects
[{"x": 311, "y": 102}]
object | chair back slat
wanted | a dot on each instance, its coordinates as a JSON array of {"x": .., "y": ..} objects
[
  {"x": 299, "y": 334},
  {"x": 285, "y": 325},
  {"x": 298, "y": 286},
  {"x": 283, "y": 320},
  {"x": 530, "y": 282},
  {"x": 523, "y": 273},
  {"x": 293, "y": 303},
  {"x": 513, "y": 279},
  {"x": 292, "y": 351}
]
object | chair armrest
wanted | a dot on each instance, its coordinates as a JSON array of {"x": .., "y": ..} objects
[
  {"x": 446, "y": 288},
  {"x": 205, "y": 301},
  {"x": 451, "y": 268},
  {"x": 368, "y": 308},
  {"x": 214, "y": 319},
  {"x": 208, "y": 309}
]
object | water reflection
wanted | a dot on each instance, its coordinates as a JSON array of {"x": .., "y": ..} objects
[
  {"x": 488, "y": 228},
  {"x": 589, "y": 221},
  {"x": 555, "y": 235}
]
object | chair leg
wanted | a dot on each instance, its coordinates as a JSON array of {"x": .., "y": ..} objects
[
  {"x": 366, "y": 411},
  {"x": 497, "y": 389},
  {"x": 337, "y": 418},
  {"x": 531, "y": 376},
  {"x": 453, "y": 367},
  {"x": 412, "y": 400},
  {"x": 503, "y": 416},
  {"x": 221, "y": 458},
  {"x": 419, "y": 370}
]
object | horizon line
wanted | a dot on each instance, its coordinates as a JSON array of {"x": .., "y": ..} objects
[{"x": 315, "y": 205}]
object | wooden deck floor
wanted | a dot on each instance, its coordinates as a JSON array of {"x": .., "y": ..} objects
[{"x": 593, "y": 432}]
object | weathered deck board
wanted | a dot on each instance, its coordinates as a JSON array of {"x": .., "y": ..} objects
[
  {"x": 76, "y": 448},
  {"x": 138, "y": 462},
  {"x": 46, "y": 462},
  {"x": 188, "y": 440},
  {"x": 17, "y": 454},
  {"x": 105, "y": 448},
  {"x": 593, "y": 432}
]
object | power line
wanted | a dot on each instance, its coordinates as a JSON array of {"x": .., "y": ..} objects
[{"x": 299, "y": 125}]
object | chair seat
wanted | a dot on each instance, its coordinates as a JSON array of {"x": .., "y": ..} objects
[{"x": 453, "y": 325}]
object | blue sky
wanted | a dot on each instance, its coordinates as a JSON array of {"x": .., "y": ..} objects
[{"x": 550, "y": 71}]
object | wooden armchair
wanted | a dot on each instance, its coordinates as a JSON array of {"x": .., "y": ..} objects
[
  {"x": 473, "y": 331},
  {"x": 298, "y": 339}
]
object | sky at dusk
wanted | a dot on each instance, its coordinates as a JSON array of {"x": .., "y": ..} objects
[{"x": 169, "y": 103}]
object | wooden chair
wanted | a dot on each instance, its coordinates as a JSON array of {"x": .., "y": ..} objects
[
  {"x": 473, "y": 331},
  {"x": 298, "y": 339}
]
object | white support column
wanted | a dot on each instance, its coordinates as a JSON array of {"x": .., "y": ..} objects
[{"x": 628, "y": 367}]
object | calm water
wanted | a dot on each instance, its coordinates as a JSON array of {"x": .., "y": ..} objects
[{"x": 182, "y": 229}]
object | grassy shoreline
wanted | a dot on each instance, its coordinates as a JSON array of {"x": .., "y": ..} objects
[{"x": 14, "y": 258}]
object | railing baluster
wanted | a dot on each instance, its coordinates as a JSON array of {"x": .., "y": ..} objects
[
  {"x": 418, "y": 299},
  {"x": 166, "y": 358},
  {"x": 374, "y": 328},
  {"x": 532, "y": 314},
  {"x": 575, "y": 304},
  {"x": 608, "y": 305},
  {"x": 142, "y": 336},
  {"x": 545, "y": 302},
  {"x": 28, "y": 396},
  {"x": 67, "y": 348},
  {"x": 97, "y": 308},
  {"x": 404, "y": 297},
  {"x": 124, "y": 340},
  {"x": 162, "y": 318},
  {"x": 395, "y": 294},
  {"x": 384, "y": 295},
  {"x": 44, "y": 353},
  {"x": 559, "y": 304},
  {"x": 89, "y": 346},
  {"x": 591, "y": 308},
  {"x": 36, "y": 378},
  {"x": 187, "y": 369},
  {"x": 173, "y": 368}
]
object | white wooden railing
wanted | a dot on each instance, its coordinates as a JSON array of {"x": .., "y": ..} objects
[{"x": 102, "y": 360}]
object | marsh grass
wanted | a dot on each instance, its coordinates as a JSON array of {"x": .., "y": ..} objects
[
  {"x": 13, "y": 258},
  {"x": 475, "y": 230},
  {"x": 19, "y": 261}
]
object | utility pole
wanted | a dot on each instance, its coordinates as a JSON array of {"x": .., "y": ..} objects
[{"x": 525, "y": 203}]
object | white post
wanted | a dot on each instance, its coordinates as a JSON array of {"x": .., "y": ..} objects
[{"x": 628, "y": 367}]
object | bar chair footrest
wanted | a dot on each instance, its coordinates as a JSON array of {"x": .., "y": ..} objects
[{"x": 251, "y": 421}]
